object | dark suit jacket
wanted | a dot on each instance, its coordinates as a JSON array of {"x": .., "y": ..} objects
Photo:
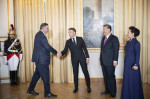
[
  {"x": 76, "y": 50},
  {"x": 109, "y": 51},
  {"x": 41, "y": 51}
]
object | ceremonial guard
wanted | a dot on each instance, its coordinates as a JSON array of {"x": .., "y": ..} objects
[{"x": 12, "y": 54}]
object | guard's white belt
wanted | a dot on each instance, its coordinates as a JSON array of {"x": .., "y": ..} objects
[{"x": 13, "y": 50}]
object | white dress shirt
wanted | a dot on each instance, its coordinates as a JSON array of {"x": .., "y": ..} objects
[
  {"x": 74, "y": 39},
  {"x": 108, "y": 36}
]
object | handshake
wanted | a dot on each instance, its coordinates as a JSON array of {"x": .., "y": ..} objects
[{"x": 59, "y": 54}]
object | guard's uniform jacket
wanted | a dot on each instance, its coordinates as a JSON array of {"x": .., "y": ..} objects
[{"x": 13, "y": 51}]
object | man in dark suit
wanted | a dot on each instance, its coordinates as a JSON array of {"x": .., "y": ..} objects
[
  {"x": 41, "y": 57},
  {"x": 109, "y": 60},
  {"x": 76, "y": 46}
]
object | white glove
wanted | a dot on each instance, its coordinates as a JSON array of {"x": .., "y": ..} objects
[
  {"x": 20, "y": 56},
  {"x": 5, "y": 60}
]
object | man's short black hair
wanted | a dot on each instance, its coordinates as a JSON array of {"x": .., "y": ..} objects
[
  {"x": 108, "y": 26},
  {"x": 43, "y": 25},
  {"x": 72, "y": 29}
]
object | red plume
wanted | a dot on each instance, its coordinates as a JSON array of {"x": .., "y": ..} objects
[{"x": 12, "y": 26}]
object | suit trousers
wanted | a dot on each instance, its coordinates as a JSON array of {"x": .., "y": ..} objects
[
  {"x": 75, "y": 64},
  {"x": 42, "y": 70},
  {"x": 109, "y": 78}
]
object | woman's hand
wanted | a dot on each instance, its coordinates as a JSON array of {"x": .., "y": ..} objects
[{"x": 135, "y": 67}]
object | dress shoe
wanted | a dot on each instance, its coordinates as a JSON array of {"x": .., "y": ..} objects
[
  {"x": 15, "y": 83},
  {"x": 104, "y": 93},
  {"x": 32, "y": 92},
  {"x": 113, "y": 96},
  {"x": 75, "y": 90},
  {"x": 50, "y": 95},
  {"x": 89, "y": 90}
]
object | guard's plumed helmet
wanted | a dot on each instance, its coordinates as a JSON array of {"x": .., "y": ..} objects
[{"x": 12, "y": 30}]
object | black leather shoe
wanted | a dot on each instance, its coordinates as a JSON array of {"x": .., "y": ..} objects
[
  {"x": 113, "y": 96},
  {"x": 104, "y": 93},
  {"x": 89, "y": 90},
  {"x": 32, "y": 92},
  {"x": 50, "y": 95},
  {"x": 75, "y": 90},
  {"x": 15, "y": 83}
]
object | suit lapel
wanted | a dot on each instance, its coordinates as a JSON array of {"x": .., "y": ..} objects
[
  {"x": 109, "y": 39},
  {"x": 72, "y": 43},
  {"x": 77, "y": 39},
  {"x": 103, "y": 41}
]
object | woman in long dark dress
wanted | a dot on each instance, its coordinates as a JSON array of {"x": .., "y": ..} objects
[{"x": 132, "y": 84}]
